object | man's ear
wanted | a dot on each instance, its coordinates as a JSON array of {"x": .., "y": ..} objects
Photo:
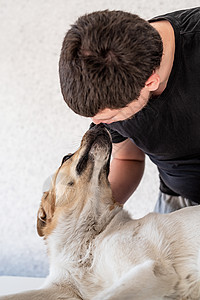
[
  {"x": 45, "y": 212},
  {"x": 153, "y": 82}
]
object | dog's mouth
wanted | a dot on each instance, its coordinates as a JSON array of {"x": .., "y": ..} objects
[{"x": 96, "y": 141}]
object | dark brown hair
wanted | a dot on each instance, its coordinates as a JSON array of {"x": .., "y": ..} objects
[{"x": 106, "y": 58}]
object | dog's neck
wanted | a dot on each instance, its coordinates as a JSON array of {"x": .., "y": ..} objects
[{"x": 71, "y": 243}]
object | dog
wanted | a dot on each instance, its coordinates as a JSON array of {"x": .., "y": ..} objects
[{"x": 97, "y": 251}]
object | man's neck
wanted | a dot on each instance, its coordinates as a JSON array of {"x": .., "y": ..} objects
[{"x": 166, "y": 32}]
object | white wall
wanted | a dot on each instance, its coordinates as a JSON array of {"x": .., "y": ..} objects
[{"x": 36, "y": 127}]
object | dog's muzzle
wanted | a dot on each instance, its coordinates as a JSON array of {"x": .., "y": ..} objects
[{"x": 97, "y": 139}]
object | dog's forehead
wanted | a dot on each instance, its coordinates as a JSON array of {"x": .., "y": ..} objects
[
  {"x": 65, "y": 171},
  {"x": 70, "y": 164}
]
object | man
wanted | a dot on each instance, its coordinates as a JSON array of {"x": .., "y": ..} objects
[{"x": 142, "y": 80}]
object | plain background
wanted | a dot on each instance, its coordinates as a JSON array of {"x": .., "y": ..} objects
[{"x": 36, "y": 127}]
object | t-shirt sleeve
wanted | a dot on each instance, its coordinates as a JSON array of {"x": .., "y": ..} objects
[{"x": 116, "y": 136}]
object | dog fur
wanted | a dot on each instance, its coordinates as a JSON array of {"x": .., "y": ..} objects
[{"x": 98, "y": 252}]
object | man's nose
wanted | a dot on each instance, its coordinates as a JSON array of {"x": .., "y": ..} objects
[{"x": 95, "y": 121}]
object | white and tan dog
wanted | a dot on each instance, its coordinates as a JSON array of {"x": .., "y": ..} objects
[{"x": 98, "y": 252}]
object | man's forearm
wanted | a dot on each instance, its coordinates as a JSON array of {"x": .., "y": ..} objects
[{"x": 124, "y": 177}]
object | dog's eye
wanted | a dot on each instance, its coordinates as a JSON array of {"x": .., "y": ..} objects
[{"x": 66, "y": 157}]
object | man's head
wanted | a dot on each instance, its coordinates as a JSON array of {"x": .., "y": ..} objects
[{"x": 106, "y": 60}]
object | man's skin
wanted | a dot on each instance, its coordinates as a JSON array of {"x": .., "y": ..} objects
[{"x": 127, "y": 165}]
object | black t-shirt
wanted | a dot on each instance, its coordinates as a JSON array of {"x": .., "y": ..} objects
[{"x": 167, "y": 129}]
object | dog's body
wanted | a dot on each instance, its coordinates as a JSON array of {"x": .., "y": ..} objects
[{"x": 98, "y": 252}]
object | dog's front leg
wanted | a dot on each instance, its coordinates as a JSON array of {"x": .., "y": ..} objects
[
  {"x": 142, "y": 283},
  {"x": 51, "y": 293}
]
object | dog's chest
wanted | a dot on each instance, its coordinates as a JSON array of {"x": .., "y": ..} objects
[{"x": 114, "y": 256}]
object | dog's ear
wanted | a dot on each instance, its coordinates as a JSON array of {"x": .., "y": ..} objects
[
  {"x": 41, "y": 220},
  {"x": 45, "y": 212}
]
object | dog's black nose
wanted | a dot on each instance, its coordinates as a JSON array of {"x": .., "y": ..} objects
[
  {"x": 92, "y": 125},
  {"x": 101, "y": 125}
]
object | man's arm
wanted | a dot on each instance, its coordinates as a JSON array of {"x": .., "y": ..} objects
[{"x": 127, "y": 167}]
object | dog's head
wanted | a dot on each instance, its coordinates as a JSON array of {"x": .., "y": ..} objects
[{"x": 82, "y": 177}]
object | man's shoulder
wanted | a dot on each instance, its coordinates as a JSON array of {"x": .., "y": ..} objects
[{"x": 187, "y": 19}]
